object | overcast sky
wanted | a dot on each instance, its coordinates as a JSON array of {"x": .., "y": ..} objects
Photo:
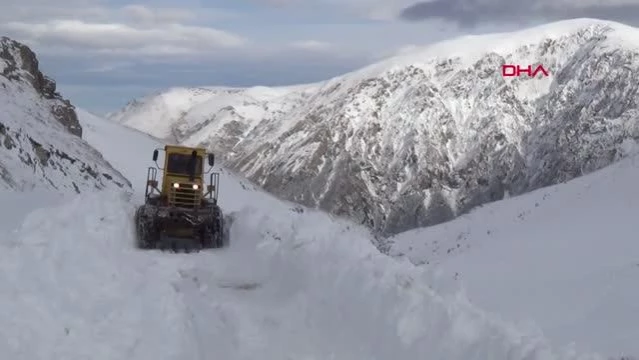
[{"x": 104, "y": 53}]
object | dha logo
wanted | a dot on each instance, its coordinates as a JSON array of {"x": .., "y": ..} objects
[{"x": 516, "y": 70}]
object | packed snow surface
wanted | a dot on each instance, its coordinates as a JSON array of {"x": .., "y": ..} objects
[
  {"x": 294, "y": 284},
  {"x": 565, "y": 257}
]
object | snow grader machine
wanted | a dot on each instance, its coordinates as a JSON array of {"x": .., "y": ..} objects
[{"x": 178, "y": 214}]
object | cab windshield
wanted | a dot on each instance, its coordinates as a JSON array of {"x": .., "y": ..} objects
[{"x": 179, "y": 164}]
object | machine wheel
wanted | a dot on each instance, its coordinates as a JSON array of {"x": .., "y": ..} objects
[
  {"x": 218, "y": 237},
  {"x": 146, "y": 229},
  {"x": 212, "y": 233}
]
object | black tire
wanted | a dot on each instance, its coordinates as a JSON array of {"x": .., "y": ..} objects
[
  {"x": 146, "y": 230},
  {"x": 212, "y": 233},
  {"x": 207, "y": 240},
  {"x": 162, "y": 246},
  {"x": 218, "y": 236}
]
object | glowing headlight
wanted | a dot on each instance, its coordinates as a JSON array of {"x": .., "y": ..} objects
[
  {"x": 176, "y": 185},
  {"x": 195, "y": 187}
]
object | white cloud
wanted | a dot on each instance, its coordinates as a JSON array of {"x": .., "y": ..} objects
[
  {"x": 86, "y": 43},
  {"x": 39, "y": 10},
  {"x": 118, "y": 38},
  {"x": 311, "y": 45},
  {"x": 144, "y": 15},
  {"x": 105, "y": 67},
  {"x": 85, "y": 27}
]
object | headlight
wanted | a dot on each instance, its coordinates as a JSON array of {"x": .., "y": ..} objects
[
  {"x": 195, "y": 187},
  {"x": 176, "y": 185}
]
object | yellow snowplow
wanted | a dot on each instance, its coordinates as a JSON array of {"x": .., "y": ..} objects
[{"x": 181, "y": 213}]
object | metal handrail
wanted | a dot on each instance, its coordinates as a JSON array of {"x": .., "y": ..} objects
[
  {"x": 214, "y": 181},
  {"x": 151, "y": 181}
]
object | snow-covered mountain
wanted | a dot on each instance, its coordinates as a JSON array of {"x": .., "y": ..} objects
[
  {"x": 565, "y": 257},
  {"x": 209, "y": 114},
  {"x": 41, "y": 143},
  {"x": 294, "y": 284},
  {"x": 423, "y": 137},
  {"x": 163, "y": 108}
]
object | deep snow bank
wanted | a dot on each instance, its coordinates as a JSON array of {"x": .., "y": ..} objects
[
  {"x": 565, "y": 257},
  {"x": 73, "y": 288},
  {"x": 128, "y": 150},
  {"x": 292, "y": 285},
  {"x": 319, "y": 292}
]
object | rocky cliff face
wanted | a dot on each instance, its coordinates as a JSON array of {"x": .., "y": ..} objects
[
  {"x": 419, "y": 139},
  {"x": 22, "y": 64},
  {"x": 40, "y": 135}
]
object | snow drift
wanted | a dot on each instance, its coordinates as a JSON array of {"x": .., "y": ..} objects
[
  {"x": 291, "y": 285},
  {"x": 112, "y": 140},
  {"x": 565, "y": 257}
]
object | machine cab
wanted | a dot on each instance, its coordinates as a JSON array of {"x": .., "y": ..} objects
[{"x": 183, "y": 179}]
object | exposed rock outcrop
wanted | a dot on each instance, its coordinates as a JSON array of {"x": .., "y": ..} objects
[
  {"x": 22, "y": 63},
  {"x": 40, "y": 135}
]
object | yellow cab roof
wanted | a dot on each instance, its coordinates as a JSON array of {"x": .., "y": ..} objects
[{"x": 184, "y": 149}]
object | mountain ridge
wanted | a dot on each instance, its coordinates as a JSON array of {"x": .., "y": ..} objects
[{"x": 423, "y": 137}]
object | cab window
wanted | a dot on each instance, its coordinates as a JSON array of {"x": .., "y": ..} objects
[{"x": 179, "y": 164}]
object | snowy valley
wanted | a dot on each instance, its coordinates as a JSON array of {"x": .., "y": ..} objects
[
  {"x": 421, "y": 138},
  {"x": 292, "y": 285}
]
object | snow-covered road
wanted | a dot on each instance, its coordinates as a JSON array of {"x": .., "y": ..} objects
[{"x": 293, "y": 284}]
